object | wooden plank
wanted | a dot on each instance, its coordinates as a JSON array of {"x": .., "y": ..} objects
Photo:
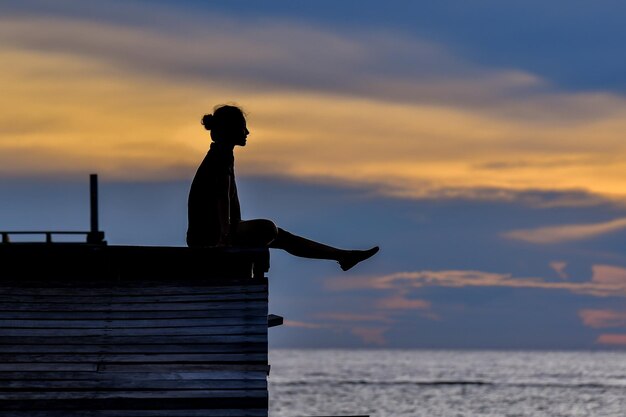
[
  {"x": 130, "y": 291},
  {"x": 131, "y": 384},
  {"x": 73, "y": 275},
  {"x": 135, "y": 339},
  {"x": 136, "y": 262},
  {"x": 48, "y": 367},
  {"x": 197, "y": 298},
  {"x": 160, "y": 394},
  {"x": 120, "y": 299},
  {"x": 26, "y": 358},
  {"x": 156, "y": 331},
  {"x": 235, "y": 412},
  {"x": 56, "y": 276},
  {"x": 237, "y": 399},
  {"x": 180, "y": 367},
  {"x": 100, "y": 274},
  {"x": 131, "y": 367},
  {"x": 214, "y": 372},
  {"x": 132, "y": 315},
  {"x": 208, "y": 305},
  {"x": 136, "y": 323},
  {"x": 136, "y": 348}
]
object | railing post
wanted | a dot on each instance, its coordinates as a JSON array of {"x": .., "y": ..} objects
[
  {"x": 94, "y": 235},
  {"x": 93, "y": 200}
]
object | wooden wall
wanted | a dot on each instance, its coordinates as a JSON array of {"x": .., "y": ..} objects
[{"x": 145, "y": 345}]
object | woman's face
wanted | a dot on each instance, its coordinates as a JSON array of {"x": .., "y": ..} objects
[{"x": 237, "y": 132}]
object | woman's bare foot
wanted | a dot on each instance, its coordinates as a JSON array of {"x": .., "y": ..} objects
[{"x": 353, "y": 257}]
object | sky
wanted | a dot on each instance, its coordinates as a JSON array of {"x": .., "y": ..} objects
[{"x": 479, "y": 144}]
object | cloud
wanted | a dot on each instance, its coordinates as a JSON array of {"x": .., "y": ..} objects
[
  {"x": 606, "y": 281},
  {"x": 401, "y": 302},
  {"x": 559, "y": 268},
  {"x": 612, "y": 339},
  {"x": 401, "y": 115},
  {"x": 353, "y": 317},
  {"x": 609, "y": 274},
  {"x": 302, "y": 324},
  {"x": 599, "y": 319},
  {"x": 265, "y": 52},
  {"x": 371, "y": 335},
  {"x": 566, "y": 233},
  {"x": 601, "y": 284}
]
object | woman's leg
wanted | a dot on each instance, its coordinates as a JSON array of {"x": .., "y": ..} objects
[
  {"x": 305, "y": 248},
  {"x": 265, "y": 233},
  {"x": 254, "y": 233},
  {"x": 299, "y": 246}
]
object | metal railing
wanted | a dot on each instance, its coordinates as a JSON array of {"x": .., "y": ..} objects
[
  {"x": 92, "y": 236},
  {"x": 89, "y": 237}
]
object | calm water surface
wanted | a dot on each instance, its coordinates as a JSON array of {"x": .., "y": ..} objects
[{"x": 401, "y": 383}]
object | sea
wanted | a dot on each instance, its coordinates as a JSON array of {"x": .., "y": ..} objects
[{"x": 432, "y": 383}]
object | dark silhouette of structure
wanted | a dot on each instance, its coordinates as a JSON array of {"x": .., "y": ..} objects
[
  {"x": 214, "y": 215},
  {"x": 92, "y": 329}
]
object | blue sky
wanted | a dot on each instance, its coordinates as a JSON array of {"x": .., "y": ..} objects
[{"x": 479, "y": 144}]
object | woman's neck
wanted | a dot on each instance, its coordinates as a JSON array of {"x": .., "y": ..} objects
[{"x": 222, "y": 146}]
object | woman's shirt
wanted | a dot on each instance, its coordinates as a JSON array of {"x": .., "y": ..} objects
[{"x": 214, "y": 173}]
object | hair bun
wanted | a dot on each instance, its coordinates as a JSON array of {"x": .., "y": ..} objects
[{"x": 207, "y": 121}]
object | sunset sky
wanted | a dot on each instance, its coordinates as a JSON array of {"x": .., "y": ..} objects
[{"x": 480, "y": 144}]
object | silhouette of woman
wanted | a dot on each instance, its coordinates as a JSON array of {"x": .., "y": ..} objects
[{"x": 214, "y": 215}]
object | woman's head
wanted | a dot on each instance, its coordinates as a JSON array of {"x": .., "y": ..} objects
[{"x": 227, "y": 125}]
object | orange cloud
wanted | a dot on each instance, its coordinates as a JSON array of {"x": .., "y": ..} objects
[
  {"x": 600, "y": 285},
  {"x": 602, "y": 318},
  {"x": 302, "y": 324},
  {"x": 566, "y": 233},
  {"x": 609, "y": 274},
  {"x": 400, "y": 302},
  {"x": 612, "y": 339},
  {"x": 125, "y": 101}
]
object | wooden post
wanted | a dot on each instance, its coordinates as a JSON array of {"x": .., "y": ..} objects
[
  {"x": 94, "y": 235},
  {"x": 93, "y": 199}
]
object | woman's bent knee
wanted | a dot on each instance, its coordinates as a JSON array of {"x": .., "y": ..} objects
[
  {"x": 258, "y": 232},
  {"x": 268, "y": 230}
]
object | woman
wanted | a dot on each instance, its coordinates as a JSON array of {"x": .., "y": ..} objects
[{"x": 214, "y": 216}]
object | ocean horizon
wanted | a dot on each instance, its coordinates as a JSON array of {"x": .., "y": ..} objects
[{"x": 420, "y": 382}]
